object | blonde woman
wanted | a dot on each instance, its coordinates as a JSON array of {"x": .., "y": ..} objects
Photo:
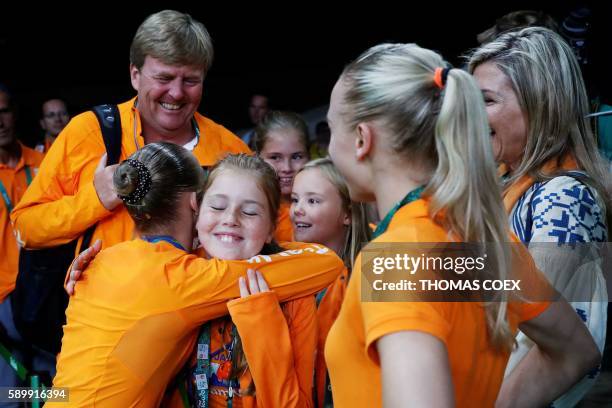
[
  {"x": 555, "y": 183},
  {"x": 412, "y": 135}
]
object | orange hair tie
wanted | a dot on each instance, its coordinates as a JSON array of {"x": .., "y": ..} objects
[
  {"x": 438, "y": 78},
  {"x": 440, "y": 75}
]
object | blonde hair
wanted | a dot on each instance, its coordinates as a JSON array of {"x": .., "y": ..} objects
[
  {"x": 446, "y": 128},
  {"x": 359, "y": 232},
  {"x": 174, "y": 38},
  {"x": 266, "y": 180},
  {"x": 256, "y": 167},
  {"x": 548, "y": 83}
]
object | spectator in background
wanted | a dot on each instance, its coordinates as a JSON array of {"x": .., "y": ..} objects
[
  {"x": 258, "y": 108},
  {"x": 517, "y": 19},
  {"x": 318, "y": 149},
  {"x": 601, "y": 66},
  {"x": 54, "y": 119},
  {"x": 281, "y": 139},
  {"x": 18, "y": 165}
]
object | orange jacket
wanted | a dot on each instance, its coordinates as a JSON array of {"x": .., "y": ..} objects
[
  {"x": 280, "y": 347},
  {"x": 132, "y": 322},
  {"x": 15, "y": 184},
  {"x": 264, "y": 316},
  {"x": 64, "y": 195},
  {"x": 284, "y": 226},
  {"x": 477, "y": 368},
  {"x": 280, "y": 363}
]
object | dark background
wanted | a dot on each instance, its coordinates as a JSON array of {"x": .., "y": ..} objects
[{"x": 294, "y": 51}]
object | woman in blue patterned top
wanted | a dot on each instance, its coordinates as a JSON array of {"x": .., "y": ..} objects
[{"x": 556, "y": 188}]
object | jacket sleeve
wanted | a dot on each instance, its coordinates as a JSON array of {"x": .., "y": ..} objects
[
  {"x": 207, "y": 285},
  {"x": 287, "y": 345},
  {"x": 61, "y": 203}
]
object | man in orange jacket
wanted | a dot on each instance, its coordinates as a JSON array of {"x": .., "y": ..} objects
[
  {"x": 18, "y": 165},
  {"x": 170, "y": 56}
]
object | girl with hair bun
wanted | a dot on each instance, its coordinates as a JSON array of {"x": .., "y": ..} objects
[{"x": 133, "y": 319}]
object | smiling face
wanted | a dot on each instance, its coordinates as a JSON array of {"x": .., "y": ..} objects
[
  {"x": 507, "y": 121},
  {"x": 234, "y": 221},
  {"x": 168, "y": 95},
  {"x": 317, "y": 210},
  {"x": 285, "y": 151}
]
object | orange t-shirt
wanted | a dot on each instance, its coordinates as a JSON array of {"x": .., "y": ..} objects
[
  {"x": 284, "y": 226},
  {"x": 132, "y": 322},
  {"x": 63, "y": 195},
  {"x": 477, "y": 368},
  {"x": 15, "y": 183}
]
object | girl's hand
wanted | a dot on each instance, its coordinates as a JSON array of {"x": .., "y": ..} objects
[
  {"x": 79, "y": 265},
  {"x": 256, "y": 283}
]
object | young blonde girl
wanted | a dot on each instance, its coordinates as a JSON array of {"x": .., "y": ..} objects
[
  {"x": 321, "y": 212},
  {"x": 237, "y": 221}
]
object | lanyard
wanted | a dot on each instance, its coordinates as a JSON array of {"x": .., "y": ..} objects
[
  {"x": 5, "y": 195},
  {"x": 157, "y": 238},
  {"x": 410, "y": 197},
  {"x": 200, "y": 374}
]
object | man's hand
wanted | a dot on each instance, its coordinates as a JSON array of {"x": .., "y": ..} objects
[
  {"x": 80, "y": 263},
  {"x": 103, "y": 182}
]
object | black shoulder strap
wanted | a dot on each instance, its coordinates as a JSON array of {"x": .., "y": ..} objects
[{"x": 110, "y": 124}]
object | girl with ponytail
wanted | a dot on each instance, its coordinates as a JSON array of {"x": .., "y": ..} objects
[{"x": 412, "y": 135}]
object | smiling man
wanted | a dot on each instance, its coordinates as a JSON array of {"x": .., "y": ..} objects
[{"x": 169, "y": 58}]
